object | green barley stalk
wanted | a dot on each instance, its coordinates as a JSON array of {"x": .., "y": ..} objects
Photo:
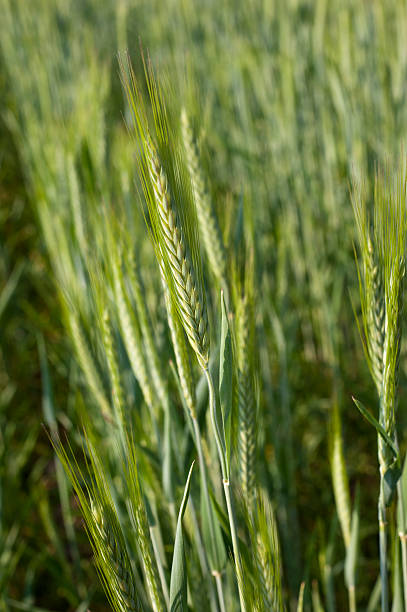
[
  {"x": 340, "y": 484},
  {"x": 208, "y": 223},
  {"x": 382, "y": 247},
  {"x": 139, "y": 519},
  {"x": 243, "y": 299},
  {"x": 246, "y": 397},
  {"x": 112, "y": 555},
  {"x": 179, "y": 270},
  {"x": 103, "y": 527},
  {"x": 265, "y": 564},
  {"x": 172, "y": 217}
]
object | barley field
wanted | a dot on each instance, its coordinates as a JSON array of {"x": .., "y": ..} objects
[{"x": 203, "y": 230}]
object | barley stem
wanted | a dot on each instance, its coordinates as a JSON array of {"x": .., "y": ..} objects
[
  {"x": 403, "y": 543},
  {"x": 235, "y": 541},
  {"x": 215, "y": 425},
  {"x": 218, "y": 580},
  {"x": 226, "y": 487},
  {"x": 383, "y": 550},
  {"x": 403, "y": 539},
  {"x": 205, "y": 491},
  {"x": 352, "y": 599}
]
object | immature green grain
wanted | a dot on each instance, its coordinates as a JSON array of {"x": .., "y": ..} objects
[
  {"x": 246, "y": 399},
  {"x": 208, "y": 223},
  {"x": 111, "y": 554},
  {"x": 190, "y": 300},
  {"x": 102, "y": 524},
  {"x": 372, "y": 288},
  {"x": 375, "y": 304},
  {"x": 267, "y": 556},
  {"x": 139, "y": 519},
  {"x": 171, "y": 209}
]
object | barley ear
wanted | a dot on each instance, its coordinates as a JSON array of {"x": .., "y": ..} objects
[
  {"x": 103, "y": 527},
  {"x": 171, "y": 210},
  {"x": 208, "y": 223},
  {"x": 185, "y": 291},
  {"x": 139, "y": 520},
  {"x": 381, "y": 237},
  {"x": 243, "y": 298},
  {"x": 181, "y": 354},
  {"x": 246, "y": 397},
  {"x": 265, "y": 543},
  {"x": 112, "y": 555}
]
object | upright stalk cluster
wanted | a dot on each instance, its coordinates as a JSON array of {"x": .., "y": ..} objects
[
  {"x": 171, "y": 206},
  {"x": 187, "y": 294}
]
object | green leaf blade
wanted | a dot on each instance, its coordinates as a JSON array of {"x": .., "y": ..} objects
[{"x": 178, "y": 584}]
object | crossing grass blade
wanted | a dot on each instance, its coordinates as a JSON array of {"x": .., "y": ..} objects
[{"x": 178, "y": 587}]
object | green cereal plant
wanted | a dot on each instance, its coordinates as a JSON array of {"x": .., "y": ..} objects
[
  {"x": 172, "y": 215},
  {"x": 381, "y": 235},
  {"x": 104, "y": 530}
]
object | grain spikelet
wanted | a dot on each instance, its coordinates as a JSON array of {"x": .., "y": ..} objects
[{"x": 208, "y": 223}]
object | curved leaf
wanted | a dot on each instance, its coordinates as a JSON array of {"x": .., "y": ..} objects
[{"x": 178, "y": 585}]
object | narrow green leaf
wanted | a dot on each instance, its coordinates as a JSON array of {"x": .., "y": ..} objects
[
  {"x": 353, "y": 548},
  {"x": 178, "y": 585},
  {"x": 212, "y": 535},
  {"x": 380, "y": 430},
  {"x": 402, "y": 501},
  {"x": 167, "y": 463},
  {"x": 226, "y": 378}
]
